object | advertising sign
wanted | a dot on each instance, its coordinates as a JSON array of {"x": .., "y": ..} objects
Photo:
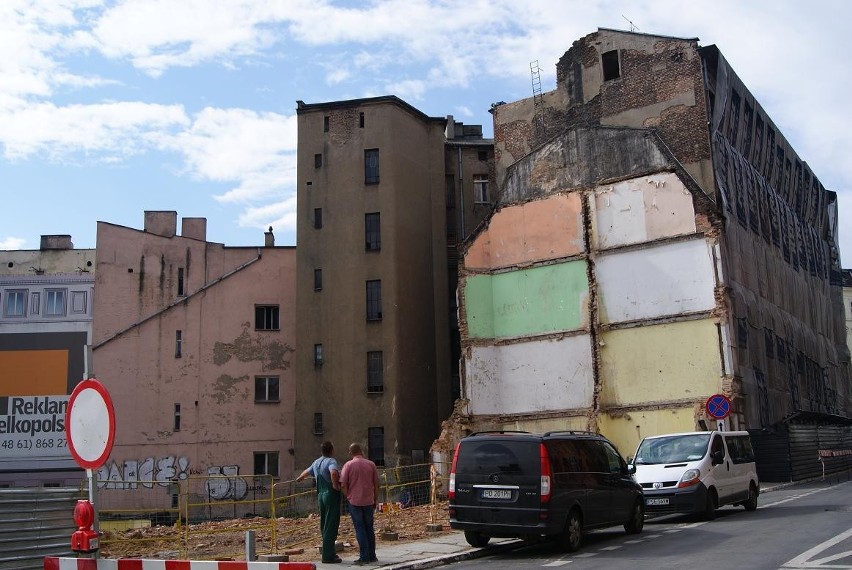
[{"x": 33, "y": 426}]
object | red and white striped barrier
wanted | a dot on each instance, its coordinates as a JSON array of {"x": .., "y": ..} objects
[{"x": 54, "y": 563}]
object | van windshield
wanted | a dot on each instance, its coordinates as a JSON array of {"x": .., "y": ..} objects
[{"x": 672, "y": 449}]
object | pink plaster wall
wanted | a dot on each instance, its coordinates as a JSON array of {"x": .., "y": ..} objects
[
  {"x": 550, "y": 228},
  {"x": 221, "y": 352}
]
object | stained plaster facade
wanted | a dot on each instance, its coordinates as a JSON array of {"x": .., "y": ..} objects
[
  {"x": 178, "y": 344},
  {"x": 43, "y": 355},
  {"x": 422, "y": 197},
  {"x": 709, "y": 258}
]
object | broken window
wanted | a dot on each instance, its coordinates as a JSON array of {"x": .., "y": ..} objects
[
  {"x": 742, "y": 333},
  {"x": 609, "y": 62}
]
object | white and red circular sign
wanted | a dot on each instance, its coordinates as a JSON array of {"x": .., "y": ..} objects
[{"x": 90, "y": 424}]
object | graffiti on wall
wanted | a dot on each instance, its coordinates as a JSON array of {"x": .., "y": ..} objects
[{"x": 223, "y": 481}]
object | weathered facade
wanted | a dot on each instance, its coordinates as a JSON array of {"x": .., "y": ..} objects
[
  {"x": 656, "y": 241},
  {"x": 45, "y": 329},
  {"x": 384, "y": 195},
  {"x": 195, "y": 342}
]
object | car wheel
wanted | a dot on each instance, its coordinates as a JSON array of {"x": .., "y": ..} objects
[
  {"x": 572, "y": 536},
  {"x": 476, "y": 538},
  {"x": 710, "y": 506},
  {"x": 751, "y": 503},
  {"x": 636, "y": 521}
]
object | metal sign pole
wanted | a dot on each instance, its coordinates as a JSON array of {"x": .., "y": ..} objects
[{"x": 93, "y": 491}]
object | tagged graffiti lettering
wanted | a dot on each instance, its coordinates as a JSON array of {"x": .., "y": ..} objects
[
  {"x": 147, "y": 473},
  {"x": 225, "y": 483}
]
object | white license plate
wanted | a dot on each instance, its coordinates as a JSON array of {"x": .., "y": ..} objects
[
  {"x": 496, "y": 494},
  {"x": 657, "y": 501}
]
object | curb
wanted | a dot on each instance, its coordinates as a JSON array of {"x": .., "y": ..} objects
[{"x": 457, "y": 556}]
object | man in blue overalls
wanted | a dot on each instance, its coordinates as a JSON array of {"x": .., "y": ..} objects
[{"x": 327, "y": 474}]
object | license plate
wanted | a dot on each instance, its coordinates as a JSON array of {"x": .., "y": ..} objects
[
  {"x": 496, "y": 494},
  {"x": 657, "y": 501}
]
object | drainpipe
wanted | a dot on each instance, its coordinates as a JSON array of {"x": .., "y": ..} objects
[{"x": 461, "y": 194}]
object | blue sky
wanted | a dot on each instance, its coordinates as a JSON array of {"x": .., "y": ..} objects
[{"x": 109, "y": 108}]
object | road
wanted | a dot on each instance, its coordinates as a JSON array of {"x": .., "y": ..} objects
[{"x": 803, "y": 527}]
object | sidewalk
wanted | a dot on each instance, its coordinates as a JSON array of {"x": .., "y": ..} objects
[{"x": 445, "y": 548}]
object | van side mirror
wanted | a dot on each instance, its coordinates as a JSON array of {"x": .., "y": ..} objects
[{"x": 718, "y": 457}]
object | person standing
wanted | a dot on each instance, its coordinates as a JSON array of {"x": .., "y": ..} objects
[
  {"x": 360, "y": 483},
  {"x": 327, "y": 474}
]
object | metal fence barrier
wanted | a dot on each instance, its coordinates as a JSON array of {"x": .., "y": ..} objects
[{"x": 222, "y": 508}]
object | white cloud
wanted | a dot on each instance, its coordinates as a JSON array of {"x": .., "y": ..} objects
[
  {"x": 232, "y": 144},
  {"x": 11, "y": 243},
  {"x": 106, "y": 131},
  {"x": 411, "y": 89}
]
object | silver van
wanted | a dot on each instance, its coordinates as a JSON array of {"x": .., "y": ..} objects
[{"x": 697, "y": 472}]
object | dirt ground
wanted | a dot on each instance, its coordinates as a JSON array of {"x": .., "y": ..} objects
[{"x": 299, "y": 538}]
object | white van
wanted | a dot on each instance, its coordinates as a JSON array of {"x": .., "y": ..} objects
[{"x": 697, "y": 472}]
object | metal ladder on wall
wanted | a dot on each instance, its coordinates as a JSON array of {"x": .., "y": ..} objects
[{"x": 538, "y": 101}]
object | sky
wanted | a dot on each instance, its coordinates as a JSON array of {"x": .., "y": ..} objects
[{"x": 112, "y": 108}]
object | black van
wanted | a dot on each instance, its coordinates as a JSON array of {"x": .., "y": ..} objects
[{"x": 554, "y": 485}]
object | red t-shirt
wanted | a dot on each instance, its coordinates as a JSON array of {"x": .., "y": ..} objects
[{"x": 360, "y": 477}]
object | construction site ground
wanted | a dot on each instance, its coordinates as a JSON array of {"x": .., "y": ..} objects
[{"x": 299, "y": 538}]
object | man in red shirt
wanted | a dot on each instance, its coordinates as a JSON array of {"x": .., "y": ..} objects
[{"x": 359, "y": 482}]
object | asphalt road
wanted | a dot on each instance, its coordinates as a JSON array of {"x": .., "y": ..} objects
[{"x": 806, "y": 526}]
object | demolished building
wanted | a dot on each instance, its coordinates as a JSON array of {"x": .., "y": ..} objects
[{"x": 656, "y": 241}]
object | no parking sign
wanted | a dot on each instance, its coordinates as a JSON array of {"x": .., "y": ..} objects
[{"x": 718, "y": 406}]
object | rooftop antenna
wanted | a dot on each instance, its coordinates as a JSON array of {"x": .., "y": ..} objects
[{"x": 633, "y": 27}]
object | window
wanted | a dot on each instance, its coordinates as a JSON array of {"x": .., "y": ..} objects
[
  {"x": 317, "y": 279},
  {"x": 317, "y": 218},
  {"x": 374, "y": 300},
  {"x": 483, "y": 155},
  {"x": 325, "y": 124},
  {"x": 16, "y": 303},
  {"x": 317, "y": 355},
  {"x": 361, "y": 120},
  {"x": 266, "y": 317},
  {"x": 266, "y": 463},
  {"x": 78, "y": 302},
  {"x": 266, "y": 389},
  {"x": 178, "y": 343},
  {"x": 376, "y": 445},
  {"x": 318, "y": 429},
  {"x": 317, "y": 160},
  {"x": 177, "y": 417},
  {"x": 375, "y": 372},
  {"x": 480, "y": 188},
  {"x": 180, "y": 281},
  {"x": 609, "y": 61},
  {"x": 54, "y": 303},
  {"x": 371, "y": 166},
  {"x": 35, "y": 303},
  {"x": 372, "y": 232}
]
